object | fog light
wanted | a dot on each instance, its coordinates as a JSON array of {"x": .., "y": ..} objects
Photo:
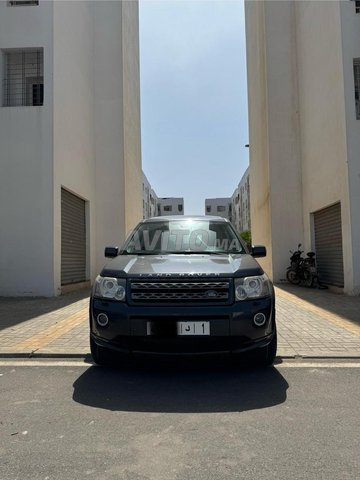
[
  {"x": 102, "y": 319},
  {"x": 259, "y": 319}
]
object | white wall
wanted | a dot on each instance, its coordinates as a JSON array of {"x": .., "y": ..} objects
[
  {"x": 74, "y": 142},
  {"x": 322, "y": 116},
  {"x": 285, "y": 194},
  {"x": 131, "y": 119},
  {"x": 26, "y": 201},
  {"x": 258, "y": 129},
  {"x": 350, "y": 29},
  {"x": 85, "y": 138},
  {"x": 117, "y": 139},
  {"x": 304, "y": 139}
]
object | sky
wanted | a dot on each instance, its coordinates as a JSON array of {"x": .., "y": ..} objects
[{"x": 193, "y": 98}]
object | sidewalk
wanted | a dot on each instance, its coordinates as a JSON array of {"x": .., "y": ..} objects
[
  {"x": 311, "y": 323},
  {"x": 33, "y": 326},
  {"x": 317, "y": 323}
]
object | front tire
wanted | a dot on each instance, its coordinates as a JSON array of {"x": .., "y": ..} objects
[
  {"x": 100, "y": 355},
  {"x": 265, "y": 356},
  {"x": 292, "y": 276}
]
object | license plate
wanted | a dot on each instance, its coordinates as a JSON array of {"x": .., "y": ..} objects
[{"x": 193, "y": 328}]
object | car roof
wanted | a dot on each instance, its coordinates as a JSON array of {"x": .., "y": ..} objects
[{"x": 180, "y": 218}]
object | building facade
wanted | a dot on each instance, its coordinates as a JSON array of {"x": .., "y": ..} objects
[
  {"x": 303, "y": 63},
  {"x": 235, "y": 208},
  {"x": 153, "y": 206},
  {"x": 150, "y": 199},
  {"x": 240, "y": 204},
  {"x": 170, "y": 206},
  {"x": 220, "y": 207},
  {"x": 70, "y": 157}
]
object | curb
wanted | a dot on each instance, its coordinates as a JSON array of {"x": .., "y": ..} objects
[{"x": 45, "y": 355}]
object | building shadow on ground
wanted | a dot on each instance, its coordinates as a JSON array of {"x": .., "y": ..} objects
[
  {"x": 15, "y": 310},
  {"x": 180, "y": 388}
]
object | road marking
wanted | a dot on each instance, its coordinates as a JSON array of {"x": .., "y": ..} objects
[
  {"x": 43, "y": 338},
  {"x": 44, "y": 363},
  {"x": 337, "y": 320},
  {"x": 318, "y": 365},
  {"x": 81, "y": 363}
]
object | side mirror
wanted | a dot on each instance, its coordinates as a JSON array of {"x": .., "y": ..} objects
[
  {"x": 258, "y": 251},
  {"x": 111, "y": 252}
]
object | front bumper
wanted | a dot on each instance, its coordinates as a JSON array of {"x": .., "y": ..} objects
[{"x": 232, "y": 329}]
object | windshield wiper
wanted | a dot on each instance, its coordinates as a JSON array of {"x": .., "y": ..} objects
[
  {"x": 142, "y": 253},
  {"x": 180, "y": 252},
  {"x": 202, "y": 252}
]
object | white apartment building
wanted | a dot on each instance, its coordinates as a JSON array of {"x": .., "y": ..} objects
[
  {"x": 170, "y": 206},
  {"x": 303, "y": 64},
  {"x": 220, "y": 207},
  {"x": 240, "y": 204},
  {"x": 235, "y": 208},
  {"x": 153, "y": 206},
  {"x": 150, "y": 199},
  {"x": 70, "y": 158}
]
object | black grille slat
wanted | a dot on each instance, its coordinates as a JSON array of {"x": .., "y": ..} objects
[
  {"x": 179, "y": 285},
  {"x": 177, "y": 296},
  {"x": 180, "y": 291}
]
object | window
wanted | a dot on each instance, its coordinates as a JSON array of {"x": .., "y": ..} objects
[
  {"x": 22, "y": 3},
  {"x": 180, "y": 207},
  {"x": 168, "y": 208},
  {"x": 208, "y": 208},
  {"x": 357, "y": 6},
  {"x": 24, "y": 78},
  {"x": 221, "y": 208},
  {"x": 357, "y": 86}
]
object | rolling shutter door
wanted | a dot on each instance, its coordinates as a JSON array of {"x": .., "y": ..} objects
[
  {"x": 328, "y": 245},
  {"x": 73, "y": 239}
]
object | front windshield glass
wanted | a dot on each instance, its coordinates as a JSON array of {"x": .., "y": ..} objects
[{"x": 183, "y": 236}]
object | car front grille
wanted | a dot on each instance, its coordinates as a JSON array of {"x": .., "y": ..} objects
[{"x": 184, "y": 291}]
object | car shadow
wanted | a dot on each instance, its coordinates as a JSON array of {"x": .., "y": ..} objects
[{"x": 180, "y": 388}]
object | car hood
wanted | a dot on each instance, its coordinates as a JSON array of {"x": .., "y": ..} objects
[{"x": 196, "y": 265}]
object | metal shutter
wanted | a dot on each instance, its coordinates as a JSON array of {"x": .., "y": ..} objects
[
  {"x": 73, "y": 239},
  {"x": 328, "y": 245}
]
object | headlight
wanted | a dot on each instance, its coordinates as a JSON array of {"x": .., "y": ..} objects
[
  {"x": 252, "y": 287},
  {"x": 112, "y": 288}
]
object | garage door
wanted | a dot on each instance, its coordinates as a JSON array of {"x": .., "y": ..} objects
[
  {"x": 73, "y": 239},
  {"x": 328, "y": 245}
]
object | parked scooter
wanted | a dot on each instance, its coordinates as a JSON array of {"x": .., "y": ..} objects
[{"x": 302, "y": 270}]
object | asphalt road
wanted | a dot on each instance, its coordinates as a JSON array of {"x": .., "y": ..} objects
[{"x": 66, "y": 420}]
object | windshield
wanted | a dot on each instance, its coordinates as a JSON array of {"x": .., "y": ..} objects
[{"x": 183, "y": 236}]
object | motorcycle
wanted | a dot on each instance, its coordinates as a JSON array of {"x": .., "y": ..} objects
[{"x": 301, "y": 270}]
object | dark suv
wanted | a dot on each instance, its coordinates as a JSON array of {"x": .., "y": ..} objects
[{"x": 183, "y": 285}]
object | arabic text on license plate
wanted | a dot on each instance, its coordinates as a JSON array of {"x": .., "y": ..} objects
[{"x": 193, "y": 328}]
